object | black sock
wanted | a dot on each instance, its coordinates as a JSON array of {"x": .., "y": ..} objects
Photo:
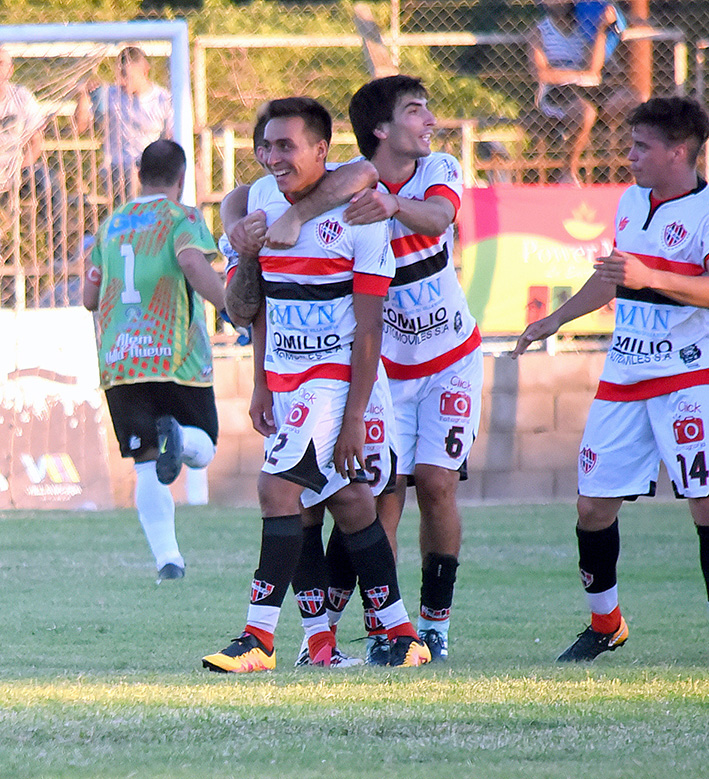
[
  {"x": 310, "y": 577},
  {"x": 373, "y": 560},
  {"x": 281, "y": 542},
  {"x": 341, "y": 576},
  {"x": 437, "y": 585},
  {"x": 703, "y": 532},
  {"x": 598, "y": 557}
]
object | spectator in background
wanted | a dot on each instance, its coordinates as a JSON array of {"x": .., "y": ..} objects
[
  {"x": 568, "y": 63},
  {"x": 22, "y": 177},
  {"x": 129, "y": 114}
]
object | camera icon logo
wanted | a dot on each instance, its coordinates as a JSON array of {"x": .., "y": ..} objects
[
  {"x": 374, "y": 431},
  {"x": 689, "y": 430},
  {"x": 297, "y": 414},
  {"x": 455, "y": 404}
]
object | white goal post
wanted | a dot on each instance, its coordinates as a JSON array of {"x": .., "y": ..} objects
[{"x": 175, "y": 32}]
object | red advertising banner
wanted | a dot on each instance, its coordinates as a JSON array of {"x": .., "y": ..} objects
[{"x": 526, "y": 249}]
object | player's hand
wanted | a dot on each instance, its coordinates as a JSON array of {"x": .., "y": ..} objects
[
  {"x": 608, "y": 17},
  {"x": 247, "y": 234},
  {"x": 349, "y": 447},
  {"x": 369, "y": 206},
  {"x": 261, "y": 410},
  {"x": 537, "y": 331},
  {"x": 624, "y": 269},
  {"x": 284, "y": 232}
]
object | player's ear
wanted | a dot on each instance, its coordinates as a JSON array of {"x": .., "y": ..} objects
[
  {"x": 381, "y": 131},
  {"x": 323, "y": 148}
]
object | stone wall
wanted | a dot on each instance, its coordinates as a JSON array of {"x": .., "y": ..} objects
[{"x": 533, "y": 414}]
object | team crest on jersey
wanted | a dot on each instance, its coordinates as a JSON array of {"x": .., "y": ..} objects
[
  {"x": 260, "y": 590},
  {"x": 371, "y": 621},
  {"x": 624, "y": 222},
  {"x": 586, "y": 578},
  {"x": 587, "y": 459},
  {"x": 451, "y": 171},
  {"x": 338, "y": 597},
  {"x": 378, "y": 596},
  {"x": 310, "y": 601},
  {"x": 674, "y": 235},
  {"x": 328, "y": 233}
]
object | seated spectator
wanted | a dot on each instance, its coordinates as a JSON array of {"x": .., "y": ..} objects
[
  {"x": 23, "y": 177},
  {"x": 569, "y": 67}
]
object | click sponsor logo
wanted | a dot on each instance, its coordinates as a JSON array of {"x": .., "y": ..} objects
[
  {"x": 374, "y": 431},
  {"x": 297, "y": 414},
  {"x": 455, "y": 404},
  {"x": 689, "y": 430}
]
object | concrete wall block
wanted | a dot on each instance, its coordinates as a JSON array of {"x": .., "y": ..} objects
[
  {"x": 472, "y": 488},
  {"x": 548, "y": 450},
  {"x": 501, "y": 452},
  {"x": 571, "y": 410},
  {"x": 566, "y": 482},
  {"x": 225, "y": 377},
  {"x": 234, "y": 418},
  {"x": 531, "y": 486},
  {"x": 535, "y": 412},
  {"x": 540, "y": 371}
]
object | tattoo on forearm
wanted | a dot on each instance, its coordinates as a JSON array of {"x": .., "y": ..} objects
[{"x": 245, "y": 291}]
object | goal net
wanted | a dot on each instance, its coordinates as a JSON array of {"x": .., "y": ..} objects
[
  {"x": 59, "y": 168},
  {"x": 54, "y": 192}
]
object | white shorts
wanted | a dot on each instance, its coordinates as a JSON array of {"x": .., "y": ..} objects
[
  {"x": 380, "y": 455},
  {"x": 437, "y": 417},
  {"x": 623, "y": 444},
  {"x": 309, "y": 420}
]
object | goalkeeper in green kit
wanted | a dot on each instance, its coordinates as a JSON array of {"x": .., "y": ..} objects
[{"x": 148, "y": 276}]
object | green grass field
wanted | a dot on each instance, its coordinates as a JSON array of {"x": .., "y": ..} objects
[{"x": 101, "y": 675}]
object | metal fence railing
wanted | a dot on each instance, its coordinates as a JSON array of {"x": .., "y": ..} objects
[{"x": 473, "y": 55}]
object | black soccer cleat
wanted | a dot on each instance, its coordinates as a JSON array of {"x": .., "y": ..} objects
[
  {"x": 169, "y": 462},
  {"x": 591, "y": 643},
  {"x": 437, "y": 644},
  {"x": 378, "y": 650},
  {"x": 171, "y": 571}
]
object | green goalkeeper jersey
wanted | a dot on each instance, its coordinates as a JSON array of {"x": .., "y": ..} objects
[{"x": 151, "y": 322}]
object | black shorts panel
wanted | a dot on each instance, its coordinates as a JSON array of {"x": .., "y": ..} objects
[{"x": 135, "y": 408}]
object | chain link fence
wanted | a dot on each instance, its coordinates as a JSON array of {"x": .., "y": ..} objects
[{"x": 473, "y": 55}]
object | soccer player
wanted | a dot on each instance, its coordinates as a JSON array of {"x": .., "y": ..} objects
[
  {"x": 147, "y": 276},
  {"x": 431, "y": 344},
  {"x": 652, "y": 401},
  {"x": 323, "y": 323}
]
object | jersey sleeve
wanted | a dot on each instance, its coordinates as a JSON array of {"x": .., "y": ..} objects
[
  {"x": 374, "y": 263},
  {"x": 193, "y": 233},
  {"x": 444, "y": 178}
]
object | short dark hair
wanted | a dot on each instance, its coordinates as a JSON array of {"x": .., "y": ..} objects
[
  {"x": 374, "y": 103},
  {"x": 162, "y": 163},
  {"x": 131, "y": 54},
  {"x": 262, "y": 117},
  {"x": 676, "y": 118},
  {"x": 316, "y": 117}
]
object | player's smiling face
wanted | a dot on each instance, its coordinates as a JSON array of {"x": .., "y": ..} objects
[
  {"x": 410, "y": 131},
  {"x": 650, "y": 157},
  {"x": 294, "y": 155}
]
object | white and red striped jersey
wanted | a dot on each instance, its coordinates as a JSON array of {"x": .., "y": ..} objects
[
  {"x": 427, "y": 323},
  {"x": 310, "y": 321},
  {"x": 659, "y": 345}
]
